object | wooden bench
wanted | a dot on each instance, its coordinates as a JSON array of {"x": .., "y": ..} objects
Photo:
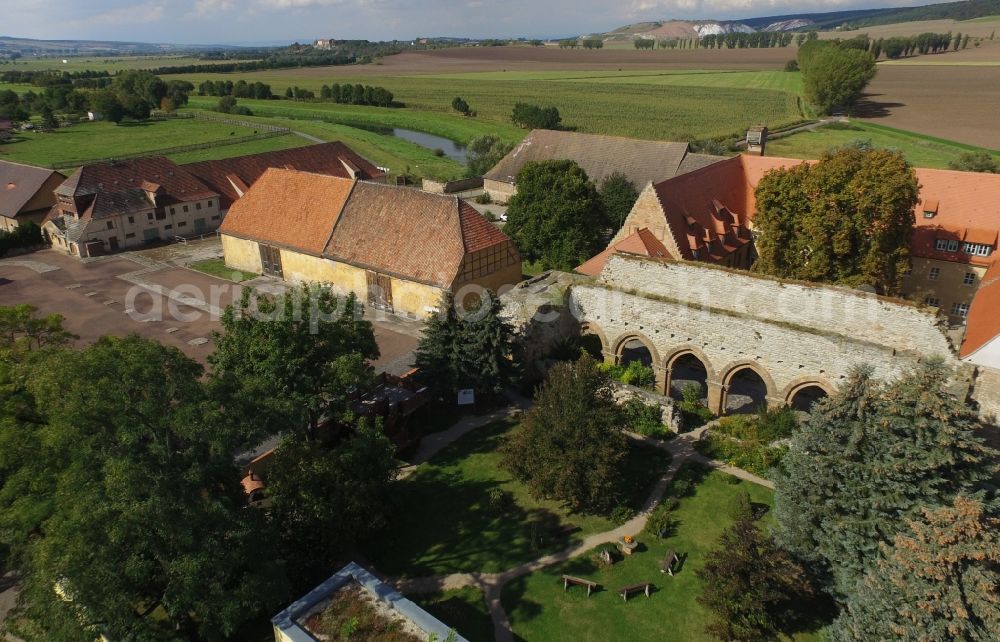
[
  {"x": 579, "y": 581},
  {"x": 635, "y": 588},
  {"x": 668, "y": 562}
]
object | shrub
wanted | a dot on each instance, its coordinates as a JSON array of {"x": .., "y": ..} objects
[
  {"x": 621, "y": 514},
  {"x": 752, "y": 457},
  {"x": 484, "y": 198},
  {"x": 27, "y": 235},
  {"x": 792, "y": 65},
  {"x": 459, "y": 105},
  {"x": 438, "y": 152},
  {"x": 645, "y": 419},
  {"x": 639, "y": 375}
]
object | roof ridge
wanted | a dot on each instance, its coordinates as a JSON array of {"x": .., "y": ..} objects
[{"x": 340, "y": 212}]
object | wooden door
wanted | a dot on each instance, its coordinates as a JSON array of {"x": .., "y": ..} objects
[
  {"x": 379, "y": 291},
  {"x": 270, "y": 261}
]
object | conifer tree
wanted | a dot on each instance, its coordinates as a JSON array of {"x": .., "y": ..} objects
[
  {"x": 938, "y": 582},
  {"x": 868, "y": 460}
]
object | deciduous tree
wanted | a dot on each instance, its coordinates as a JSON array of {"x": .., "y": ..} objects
[
  {"x": 846, "y": 219},
  {"x": 483, "y": 152},
  {"x": 570, "y": 446},
  {"x": 556, "y": 215},
  {"x": 618, "y": 194},
  {"x": 834, "y": 75},
  {"x": 976, "y": 162}
]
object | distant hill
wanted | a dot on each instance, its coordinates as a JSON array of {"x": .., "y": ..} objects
[
  {"x": 684, "y": 29},
  {"x": 29, "y": 46}
]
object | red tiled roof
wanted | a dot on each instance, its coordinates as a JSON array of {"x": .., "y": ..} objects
[
  {"x": 230, "y": 176},
  {"x": 983, "y": 322},
  {"x": 967, "y": 206},
  {"x": 126, "y": 178},
  {"x": 477, "y": 232},
  {"x": 642, "y": 242},
  {"x": 292, "y": 209}
]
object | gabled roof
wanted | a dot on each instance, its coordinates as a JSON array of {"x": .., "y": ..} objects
[
  {"x": 408, "y": 233},
  {"x": 398, "y": 231},
  {"x": 641, "y": 242},
  {"x": 983, "y": 323},
  {"x": 19, "y": 184},
  {"x": 125, "y": 179},
  {"x": 642, "y": 161},
  {"x": 232, "y": 176},
  {"x": 289, "y": 208}
]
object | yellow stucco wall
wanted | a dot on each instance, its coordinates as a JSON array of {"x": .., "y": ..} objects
[
  {"x": 241, "y": 254},
  {"x": 948, "y": 288},
  {"x": 408, "y": 298}
]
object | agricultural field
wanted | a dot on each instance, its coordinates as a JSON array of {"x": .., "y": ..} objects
[
  {"x": 921, "y": 151},
  {"x": 111, "y": 64},
  {"x": 653, "y": 106},
  {"x": 97, "y": 140},
  {"x": 977, "y": 27}
]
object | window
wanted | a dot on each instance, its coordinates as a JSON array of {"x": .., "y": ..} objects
[
  {"x": 149, "y": 217},
  {"x": 270, "y": 260},
  {"x": 161, "y": 216},
  {"x": 173, "y": 210},
  {"x": 209, "y": 204},
  {"x": 185, "y": 208},
  {"x": 969, "y": 278},
  {"x": 934, "y": 274},
  {"x": 197, "y": 206},
  {"x": 215, "y": 217},
  {"x": 933, "y": 301},
  {"x": 130, "y": 235},
  {"x": 182, "y": 224},
  {"x": 168, "y": 226},
  {"x": 977, "y": 249},
  {"x": 928, "y": 214},
  {"x": 941, "y": 245},
  {"x": 111, "y": 225},
  {"x": 959, "y": 309},
  {"x": 131, "y": 220}
]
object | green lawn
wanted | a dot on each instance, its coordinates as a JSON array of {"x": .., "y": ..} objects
[
  {"x": 97, "y": 140},
  {"x": 397, "y": 154},
  {"x": 652, "y": 106},
  {"x": 461, "y": 609},
  {"x": 218, "y": 268},
  {"x": 540, "y": 610},
  {"x": 443, "y": 522},
  {"x": 920, "y": 150}
]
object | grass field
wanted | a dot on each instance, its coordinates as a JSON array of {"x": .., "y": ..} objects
[
  {"x": 218, "y": 268},
  {"x": 653, "y": 106},
  {"x": 921, "y": 151},
  {"x": 539, "y": 609},
  {"x": 443, "y": 522},
  {"x": 96, "y": 140}
]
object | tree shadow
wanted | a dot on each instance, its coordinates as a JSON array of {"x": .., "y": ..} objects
[
  {"x": 868, "y": 107},
  {"x": 517, "y": 606}
]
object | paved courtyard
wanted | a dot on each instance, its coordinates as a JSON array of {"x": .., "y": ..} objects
[{"x": 141, "y": 294}]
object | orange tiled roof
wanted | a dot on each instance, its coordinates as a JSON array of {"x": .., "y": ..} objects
[
  {"x": 399, "y": 231},
  {"x": 230, "y": 176},
  {"x": 292, "y": 209},
  {"x": 642, "y": 242},
  {"x": 983, "y": 322}
]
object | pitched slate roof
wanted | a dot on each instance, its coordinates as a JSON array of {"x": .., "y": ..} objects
[
  {"x": 19, "y": 184},
  {"x": 398, "y": 231},
  {"x": 289, "y": 208},
  {"x": 231, "y": 176},
  {"x": 642, "y": 161},
  {"x": 641, "y": 242},
  {"x": 983, "y": 322},
  {"x": 124, "y": 180}
]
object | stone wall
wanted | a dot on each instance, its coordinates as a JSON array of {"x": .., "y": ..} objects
[
  {"x": 499, "y": 191},
  {"x": 670, "y": 416}
]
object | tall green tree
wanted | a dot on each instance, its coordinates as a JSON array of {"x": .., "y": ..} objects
[
  {"x": 467, "y": 348},
  {"x": 570, "y": 446},
  {"x": 296, "y": 357},
  {"x": 869, "y": 460},
  {"x": 939, "y": 581},
  {"x": 483, "y": 152},
  {"x": 750, "y": 584},
  {"x": 556, "y": 216},
  {"x": 847, "y": 219},
  {"x": 834, "y": 75},
  {"x": 618, "y": 195},
  {"x": 123, "y": 455},
  {"x": 325, "y": 500}
]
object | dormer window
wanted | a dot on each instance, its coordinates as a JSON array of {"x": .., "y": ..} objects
[
  {"x": 977, "y": 249},
  {"x": 930, "y": 208},
  {"x": 946, "y": 245}
]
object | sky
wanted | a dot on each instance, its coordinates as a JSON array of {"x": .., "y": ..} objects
[{"x": 273, "y": 21}]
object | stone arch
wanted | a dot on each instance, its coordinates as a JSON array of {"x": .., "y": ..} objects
[
  {"x": 677, "y": 355},
  {"x": 623, "y": 341},
  {"x": 734, "y": 384},
  {"x": 805, "y": 385},
  {"x": 592, "y": 329}
]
